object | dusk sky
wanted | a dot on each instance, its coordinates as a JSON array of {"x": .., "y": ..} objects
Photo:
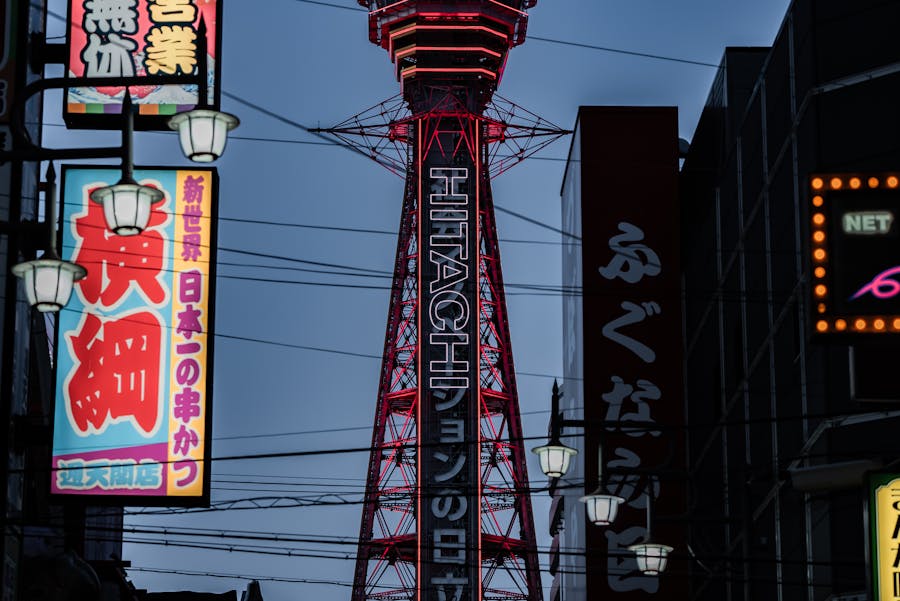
[{"x": 308, "y": 380}]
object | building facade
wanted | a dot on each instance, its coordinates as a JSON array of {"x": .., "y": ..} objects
[
  {"x": 781, "y": 422},
  {"x": 782, "y": 427},
  {"x": 46, "y": 546}
]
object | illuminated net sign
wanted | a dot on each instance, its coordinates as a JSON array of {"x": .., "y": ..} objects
[
  {"x": 126, "y": 38},
  {"x": 855, "y": 254},
  {"x": 884, "y": 536},
  {"x": 134, "y": 345}
]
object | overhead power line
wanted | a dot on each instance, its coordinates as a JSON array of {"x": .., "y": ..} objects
[{"x": 608, "y": 49}]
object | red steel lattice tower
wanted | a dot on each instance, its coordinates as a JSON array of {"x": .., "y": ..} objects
[{"x": 447, "y": 514}]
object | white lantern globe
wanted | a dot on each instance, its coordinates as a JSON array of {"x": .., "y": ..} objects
[
  {"x": 554, "y": 458},
  {"x": 48, "y": 281},
  {"x": 203, "y": 133},
  {"x": 127, "y": 205},
  {"x": 652, "y": 558},
  {"x": 601, "y": 508}
]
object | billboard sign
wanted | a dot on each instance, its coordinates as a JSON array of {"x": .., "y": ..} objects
[
  {"x": 884, "y": 536},
  {"x": 127, "y": 38},
  {"x": 134, "y": 345},
  {"x": 854, "y": 254},
  {"x": 632, "y": 351}
]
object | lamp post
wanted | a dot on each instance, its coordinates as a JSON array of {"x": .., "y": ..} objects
[
  {"x": 601, "y": 507},
  {"x": 554, "y": 456},
  {"x": 126, "y": 204}
]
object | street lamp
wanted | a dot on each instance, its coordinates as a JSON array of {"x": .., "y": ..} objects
[
  {"x": 126, "y": 204},
  {"x": 203, "y": 131},
  {"x": 652, "y": 558},
  {"x": 601, "y": 507},
  {"x": 49, "y": 280},
  {"x": 554, "y": 456}
]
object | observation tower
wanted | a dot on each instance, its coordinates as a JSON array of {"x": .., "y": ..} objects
[{"x": 447, "y": 514}]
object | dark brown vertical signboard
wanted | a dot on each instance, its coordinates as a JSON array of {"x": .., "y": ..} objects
[{"x": 632, "y": 340}]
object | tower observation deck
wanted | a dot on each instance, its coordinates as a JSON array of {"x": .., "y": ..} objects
[
  {"x": 447, "y": 513},
  {"x": 459, "y": 43}
]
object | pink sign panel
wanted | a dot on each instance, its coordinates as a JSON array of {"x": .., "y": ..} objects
[{"x": 128, "y": 38}]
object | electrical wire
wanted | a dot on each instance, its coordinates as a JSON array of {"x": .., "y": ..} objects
[
  {"x": 661, "y": 57},
  {"x": 294, "y": 123},
  {"x": 251, "y": 549}
]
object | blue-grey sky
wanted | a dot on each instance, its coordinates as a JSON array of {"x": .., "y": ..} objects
[{"x": 314, "y": 64}]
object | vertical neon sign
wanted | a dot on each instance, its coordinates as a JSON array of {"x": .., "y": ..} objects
[{"x": 449, "y": 458}]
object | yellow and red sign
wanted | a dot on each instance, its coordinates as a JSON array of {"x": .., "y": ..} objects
[
  {"x": 133, "y": 382},
  {"x": 884, "y": 536},
  {"x": 128, "y": 38}
]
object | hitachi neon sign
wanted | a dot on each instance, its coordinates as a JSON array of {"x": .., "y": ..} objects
[
  {"x": 448, "y": 308},
  {"x": 881, "y": 286},
  {"x": 453, "y": 262}
]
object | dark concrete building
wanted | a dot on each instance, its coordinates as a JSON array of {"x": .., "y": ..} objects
[
  {"x": 46, "y": 547},
  {"x": 787, "y": 403},
  {"x": 782, "y": 425}
]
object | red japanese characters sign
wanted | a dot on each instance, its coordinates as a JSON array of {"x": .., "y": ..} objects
[
  {"x": 133, "y": 381},
  {"x": 127, "y": 38}
]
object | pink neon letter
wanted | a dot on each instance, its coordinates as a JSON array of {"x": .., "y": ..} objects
[{"x": 881, "y": 285}]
